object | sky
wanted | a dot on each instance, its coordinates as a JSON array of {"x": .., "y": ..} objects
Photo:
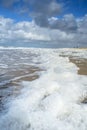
[{"x": 58, "y": 22}]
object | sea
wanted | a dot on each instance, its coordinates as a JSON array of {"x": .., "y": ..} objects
[{"x": 40, "y": 89}]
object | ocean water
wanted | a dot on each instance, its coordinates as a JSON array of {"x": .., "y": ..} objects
[{"x": 41, "y": 90}]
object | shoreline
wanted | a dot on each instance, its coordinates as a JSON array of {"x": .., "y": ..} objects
[{"x": 81, "y": 64}]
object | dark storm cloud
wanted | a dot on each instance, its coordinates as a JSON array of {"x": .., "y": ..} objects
[{"x": 41, "y": 11}]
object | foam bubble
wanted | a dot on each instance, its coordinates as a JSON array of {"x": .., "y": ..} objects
[{"x": 51, "y": 102}]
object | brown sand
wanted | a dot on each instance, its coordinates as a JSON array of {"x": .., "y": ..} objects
[
  {"x": 31, "y": 73},
  {"x": 28, "y": 74},
  {"x": 81, "y": 64}
]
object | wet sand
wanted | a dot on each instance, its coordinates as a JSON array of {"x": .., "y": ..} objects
[
  {"x": 13, "y": 87},
  {"x": 81, "y": 64},
  {"x": 31, "y": 73}
]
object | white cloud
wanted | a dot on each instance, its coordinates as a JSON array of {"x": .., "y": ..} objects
[
  {"x": 10, "y": 30},
  {"x": 82, "y": 24},
  {"x": 39, "y": 10},
  {"x": 26, "y": 31},
  {"x": 67, "y": 23}
]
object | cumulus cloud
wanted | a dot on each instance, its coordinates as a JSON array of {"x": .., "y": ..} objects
[
  {"x": 26, "y": 31},
  {"x": 45, "y": 14},
  {"x": 82, "y": 25},
  {"x": 43, "y": 10},
  {"x": 39, "y": 10},
  {"x": 45, "y": 23},
  {"x": 67, "y": 23},
  {"x": 9, "y": 30}
]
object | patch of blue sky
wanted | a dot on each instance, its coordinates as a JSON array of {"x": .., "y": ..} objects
[{"x": 14, "y": 15}]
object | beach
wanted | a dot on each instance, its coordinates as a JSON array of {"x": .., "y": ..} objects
[{"x": 43, "y": 89}]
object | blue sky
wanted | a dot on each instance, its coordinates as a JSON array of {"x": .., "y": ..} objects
[
  {"x": 61, "y": 21},
  {"x": 77, "y": 7},
  {"x": 6, "y": 12}
]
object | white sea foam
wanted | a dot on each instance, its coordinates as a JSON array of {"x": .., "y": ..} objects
[{"x": 51, "y": 102}]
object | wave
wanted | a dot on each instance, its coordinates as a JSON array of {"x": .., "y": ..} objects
[{"x": 53, "y": 101}]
